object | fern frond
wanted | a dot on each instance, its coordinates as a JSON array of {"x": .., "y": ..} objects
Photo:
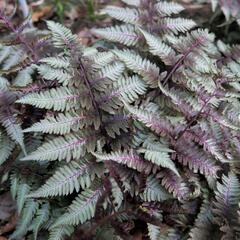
[
  {"x": 115, "y": 124},
  {"x": 58, "y": 99},
  {"x": 131, "y": 87},
  {"x": 59, "y": 124},
  {"x": 5, "y": 51},
  {"x": 158, "y": 48},
  {"x": 146, "y": 128},
  {"x": 127, "y": 89},
  {"x": 24, "y": 77},
  {"x": 14, "y": 185},
  {"x": 187, "y": 104},
  {"x": 209, "y": 140},
  {"x": 102, "y": 59},
  {"x": 153, "y": 232},
  {"x": 65, "y": 180},
  {"x": 124, "y": 34},
  {"x": 59, "y": 233},
  {"x": 168, "y": 8},
  {"x": 227, "y": 198},
  {"x": 62, "y": 75},
  {"x": 153, "y": 191},
  {"x": 61, "y": 36},
  {"x": 6, "y": 147},
  {"x": 56, "y": 62},
  {"x": 128, "y": 158},
  {"x": 196, "y": 159},
  {"x": 232, "y": 56},
  {"x": 90, "y": 52},
  {"x": 132, "y": 2},
  {"x": 174, "y": 184},
  {"x": 149, "y": 71},
  {"x": 11, "y": 63},
  {"x": 22, "y": 191},
  {"x": 158, "y": 154},
  {"x": 70, "y": 147},
  {"x": 41, "y": 218},
  {"x": 126, "y": 15},
  {"x": 196, "y": 41},
  {"x": 175, "y": 25},
  {"x": 113, "y": 71},
  {"x": 82, "y": 208},
  {"x": 204, "y": 222},
  {"x": 26, "y": 218},
  {"x": 14, "y": 130},
  {"x": 151, "y": 120},
  {"x": 4, "y": 84}
]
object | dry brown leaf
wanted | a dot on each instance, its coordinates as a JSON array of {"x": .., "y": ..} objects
[
  {"x": 8, "y": 6},
  {"x": 44, "y": 11},
  {"x": 73, "y": 14},
  {"x": 8, "y": 227},
  {"x": 7, "y": 206},
  {"x": 85, "y": 36},
  {"x": 137, "y": 236},
  {"x": 3, "y": 238}
]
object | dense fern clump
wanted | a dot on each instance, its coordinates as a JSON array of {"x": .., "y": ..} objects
[{"x": 145, "y": 132}]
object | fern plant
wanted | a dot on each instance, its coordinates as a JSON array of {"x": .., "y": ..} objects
[
  {"x": 146, "y": 132},
  {"x": 193, "y": 85}
]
